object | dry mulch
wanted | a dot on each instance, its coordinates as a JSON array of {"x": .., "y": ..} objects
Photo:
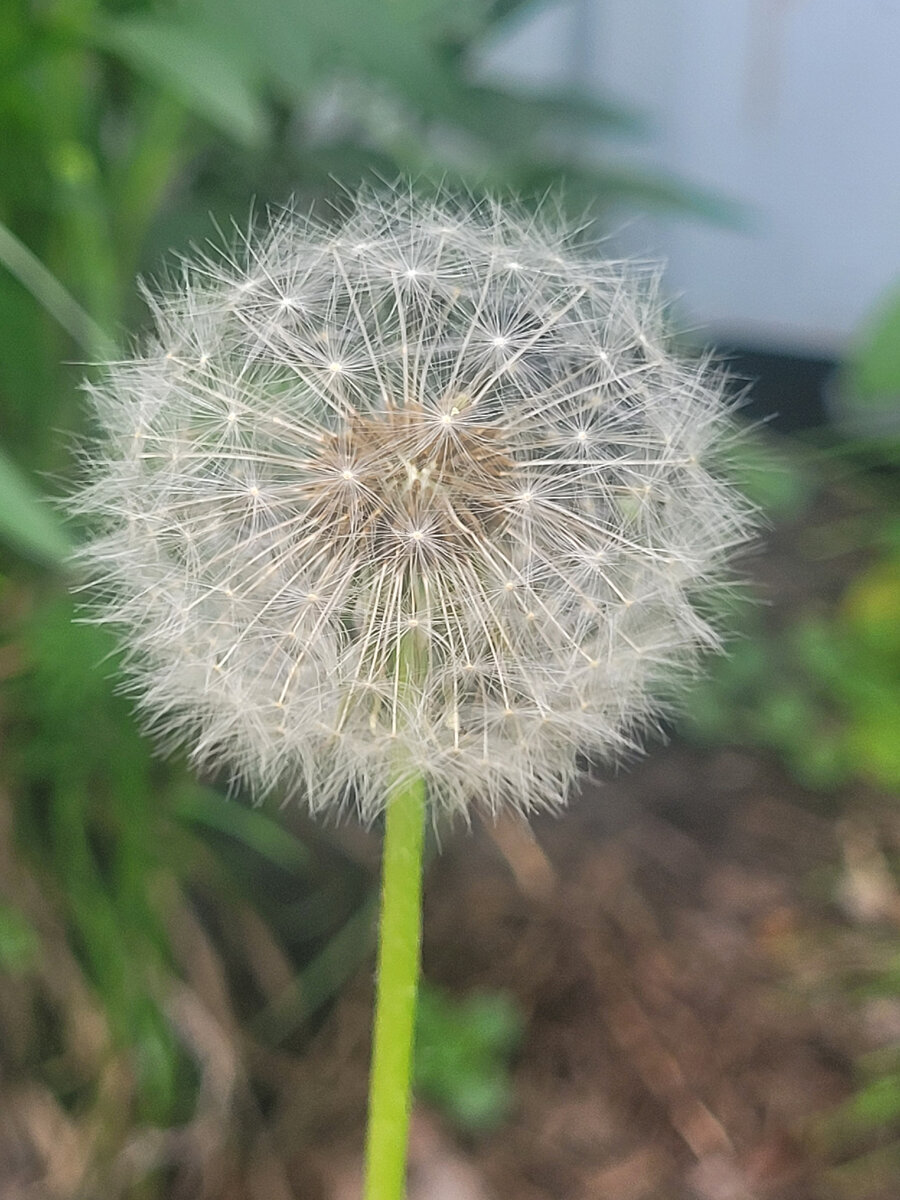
[
  {"x": 691, "y": 946},
  {"x": 676, "y": 942}
]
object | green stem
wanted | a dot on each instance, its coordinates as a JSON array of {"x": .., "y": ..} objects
[{"x": 390, "y": 1085}]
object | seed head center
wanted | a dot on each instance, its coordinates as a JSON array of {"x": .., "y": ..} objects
[{"x": 435, "y": 475}]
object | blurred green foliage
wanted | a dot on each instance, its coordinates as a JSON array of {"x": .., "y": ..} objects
[
  {"x": 822, "y": 693},
  {"x": 18, "y": 941},
  {"x": 463, "y": 1051},
  {"x": 867, "y": 400},
  {"x": 26, "y": 522},
  {"x": 821, "y": 690},
  {"x": 92, "y": 822},
  {"x": 123, "y": 842}
]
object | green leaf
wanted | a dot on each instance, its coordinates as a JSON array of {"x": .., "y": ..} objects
[
  {"x": 187, "y": 61},
  {"x": 322, "y": 978},
  {"x": 307, "y": 41},
  {"x": 776, "y": 482},
  {"x": 867, "y": 395},
  {"x": 252, "y": 826},
  {"x": 873, "y": 744},
  {"x": 508, "y": 118},
  {"x": 51, "y": 295},
  {"x": 282, "y": 46},
  {"x": 463, "y": 1048},
  {"x": 26, "y": 520},
  {"x": 820, "y": 763},
  {"x": 584, "y": 187},
  {"x": 877, "y": 358},
  {"x": 877, "y": 1103},
  {"x": 18, "y": 941}
]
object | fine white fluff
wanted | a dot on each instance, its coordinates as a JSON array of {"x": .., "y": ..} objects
[{"x": 426, "y": 493}]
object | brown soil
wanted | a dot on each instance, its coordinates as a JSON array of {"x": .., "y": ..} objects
[{"x": 676, "y": 942}]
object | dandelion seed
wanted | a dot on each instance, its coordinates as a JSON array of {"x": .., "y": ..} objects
[{"x": 502, "y": 466}]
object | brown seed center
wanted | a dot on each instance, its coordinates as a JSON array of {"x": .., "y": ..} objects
[{"x": 414, "y": 474}]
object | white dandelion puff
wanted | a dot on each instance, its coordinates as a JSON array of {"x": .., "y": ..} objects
[{"x": 439, "y": 432}]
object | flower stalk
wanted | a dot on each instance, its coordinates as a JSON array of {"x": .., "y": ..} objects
[
  {"x": 400, "y": 923},
  {"x": 399, "y": 942}
]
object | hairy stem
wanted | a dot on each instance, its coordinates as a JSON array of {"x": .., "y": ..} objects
[{"x": 390, "y": 1085}]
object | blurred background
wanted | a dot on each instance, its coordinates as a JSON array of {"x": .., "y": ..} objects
[{"x": 688, "y": 986}]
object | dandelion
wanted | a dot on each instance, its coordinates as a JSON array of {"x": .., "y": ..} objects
[
  {"x": 432, "y": 435},
  {"x": 418, "y": 506}
]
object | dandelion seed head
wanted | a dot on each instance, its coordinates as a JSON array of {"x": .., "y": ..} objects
[{"x": 433, "y": 490}]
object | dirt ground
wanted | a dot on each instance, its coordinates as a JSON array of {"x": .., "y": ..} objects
[{"x": 679, "y": 943}]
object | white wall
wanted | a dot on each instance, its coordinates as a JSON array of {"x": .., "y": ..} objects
[{"x": 792, "y": 108}]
